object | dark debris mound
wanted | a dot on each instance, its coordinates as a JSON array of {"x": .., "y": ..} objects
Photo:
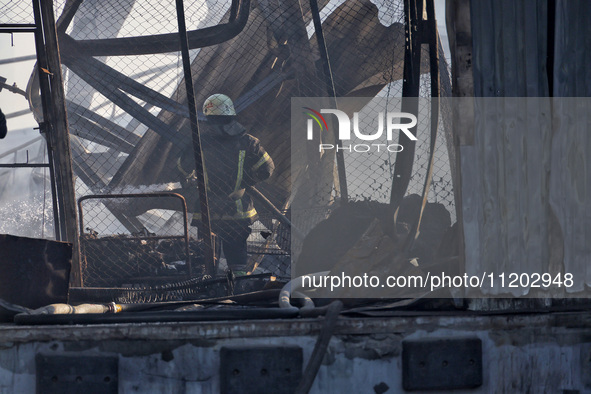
[{"x": 330, "y": 240}]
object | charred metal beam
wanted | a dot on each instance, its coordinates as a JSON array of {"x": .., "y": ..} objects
[
  {"x": 259, "y": 90},
  {"x": 125, "y": 83},
  {"x": 67, "y": 15},
  {"x": 163, "y": 43},
  {"x": 116, "y": 130},
  {"x": 120, "y": 99},
  {"x": 204, "y": 224},
  {"x": 131, "y": 86},
  {"x": 459, "y": 29},
  {"x": 431, "y": 37},
  {"x": 96, "y": 183},
  {"x": 328, "y": 79},
  {"x": 82, "y": 169},
  {"x": 413, "y": 11},
  {"x": 85, "y": 128},
  {"x": 57, "y": 124},
  {"x": 44, "y": 87}
]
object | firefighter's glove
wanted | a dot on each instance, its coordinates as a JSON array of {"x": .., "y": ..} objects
[
  {"x": 190, "y": 181},
  {"x": 236, "y": 195}
]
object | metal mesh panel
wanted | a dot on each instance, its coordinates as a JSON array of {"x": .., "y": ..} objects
[
  {"x": 129, "y": 121},
  {"x": 26, "y": 202},
  {"x": 16, "y": 12},
  {"x": 112, "y": 256}
]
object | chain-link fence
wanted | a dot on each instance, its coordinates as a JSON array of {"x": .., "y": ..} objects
[
  {"x": 160, "y": 252},
  {"x": 130, "y": 128},
  {"x": 16, "y": 12},
  {"x": 25, "y": 188}
]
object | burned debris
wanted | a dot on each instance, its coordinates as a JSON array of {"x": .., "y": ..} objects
[{"x": 130, "y": 123}]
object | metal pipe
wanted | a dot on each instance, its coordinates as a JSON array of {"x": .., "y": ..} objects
[
  {"x": 291, "y": 286},
  {"x": 163, "y": 43},
  {"x": 157, "y": 317},
  {"x": 18, "y": 113},
  {"x": 18, "y": 59},
  {"x": 12, "y": 88},
  {"x": 433, "y": 41},
  {"x": 137, "y": 237},
  {"x": 24, "y": 165},
  {"x": 332, "y": 93},
  {"x": 410, "y": 92},
  {"x": 205, "y": 225},
  {"x": 17, "y": 28}
]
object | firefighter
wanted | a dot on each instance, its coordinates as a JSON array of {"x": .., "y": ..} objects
[
  {"x": 3, "y": 128},
  {"x": 234, "y": 160}
]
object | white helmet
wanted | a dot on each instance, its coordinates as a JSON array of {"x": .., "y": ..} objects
[{"x": 218, "y": 104}]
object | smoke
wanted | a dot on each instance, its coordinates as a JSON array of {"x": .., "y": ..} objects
[{"x": 30, "y": 216}]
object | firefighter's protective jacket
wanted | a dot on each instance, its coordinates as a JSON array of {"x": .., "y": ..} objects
[{"x": 232, "y": 163}]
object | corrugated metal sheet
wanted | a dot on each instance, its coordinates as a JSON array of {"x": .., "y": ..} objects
[
  {"x": 570, "y": 185},
  {"x": 504, "y": 170},
  {"x": 510, "y": 47},
  {"x": 505, "y": 188},
  {"x": 525, "y": 189},
  {"x": 572, "y": 54}
]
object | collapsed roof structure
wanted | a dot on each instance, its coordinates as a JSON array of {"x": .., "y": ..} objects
[{"x": 127, "y": 103}]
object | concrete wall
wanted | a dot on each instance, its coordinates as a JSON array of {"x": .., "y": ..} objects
[{"x": 520, "y": 353}]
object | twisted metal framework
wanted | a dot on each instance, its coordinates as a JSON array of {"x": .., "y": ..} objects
[{"x": 262, "y": 55}]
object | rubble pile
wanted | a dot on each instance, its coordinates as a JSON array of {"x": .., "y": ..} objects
[{"x": 119, "y": 260}]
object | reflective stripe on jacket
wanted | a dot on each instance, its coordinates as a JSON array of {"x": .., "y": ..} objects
[{"x": 232, "y": 163}]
